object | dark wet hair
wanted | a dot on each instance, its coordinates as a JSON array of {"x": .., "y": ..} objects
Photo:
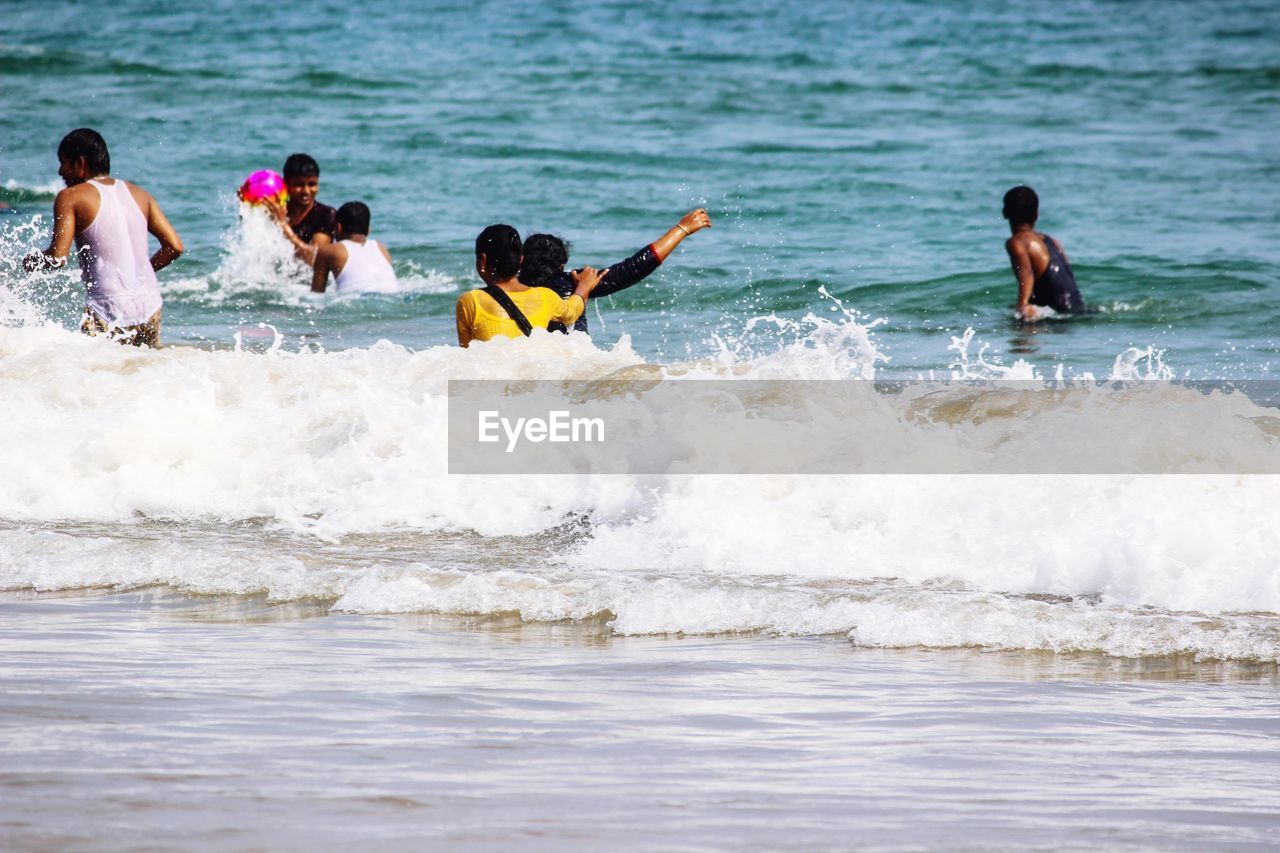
[
  {"x": 301, "y": 166},
  {"x": 1021, "y": 205},
  {"x": 501, "y": 245},
  {"x": 544, "y": 258},
  {"x": 354, "y": 217},
  {"x": 89, "y": 144}
]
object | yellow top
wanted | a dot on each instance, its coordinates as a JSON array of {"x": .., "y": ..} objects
[{"x": 480, "y": 318}]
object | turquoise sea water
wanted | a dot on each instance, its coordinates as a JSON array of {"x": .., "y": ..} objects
[
  {"x": 861, "y": 147},
  {"x": 245, "y": 605}
]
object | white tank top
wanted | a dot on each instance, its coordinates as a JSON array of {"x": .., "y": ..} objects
[
  {"x": 120, "y": 285},
  {"x": 366, "y": 270}
]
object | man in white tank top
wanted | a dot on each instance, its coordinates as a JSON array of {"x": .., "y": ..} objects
[
  {"x": 108, "y": 219},
  {"x": 358, "y": 264}
]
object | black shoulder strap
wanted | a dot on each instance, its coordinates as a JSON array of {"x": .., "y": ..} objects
[
  {"x": 500, "y": 296},
  {"x": 1049, "y": 245}
]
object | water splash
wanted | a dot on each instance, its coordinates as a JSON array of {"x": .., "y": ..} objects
[
  {"x": 1135, "y": 363},
  {"x": 45, "y": 297},
  {"x": 414, "y": 278},
  {"x": 255, "y": 336},
  {"x": 813, "y": 347},
  {"x": 257, "y": 262},
  {"x": 259, "y": 266},
  {"x": 970, "y": 366}
]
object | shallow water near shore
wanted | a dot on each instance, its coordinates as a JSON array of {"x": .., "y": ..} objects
[{"x": 215, "y": 722}]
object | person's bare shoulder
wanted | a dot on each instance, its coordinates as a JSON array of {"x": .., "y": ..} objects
[
  {"x": 1029, "y": 243},
  {"x": 75, "y": 195},
  {"x": 80, "y": 202},
  {"x": 331, "y": 256}
]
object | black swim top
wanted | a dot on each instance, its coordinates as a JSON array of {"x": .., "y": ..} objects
[
  {"x": 321, "y": 219},
  {"x": 1056, "y": 286},
  {"x": 620, "y": 276}
]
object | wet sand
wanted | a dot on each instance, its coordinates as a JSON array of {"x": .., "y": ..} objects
[{"x": 157, "y": 720}]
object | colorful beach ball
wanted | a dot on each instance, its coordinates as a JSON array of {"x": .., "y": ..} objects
[{"x": 263, "y": 185}]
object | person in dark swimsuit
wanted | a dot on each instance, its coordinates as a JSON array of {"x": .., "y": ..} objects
[
  {"x": 545, "y": 257},
  {"x": 306, "y": 223},
  {"x": 1044, "y": 274}
]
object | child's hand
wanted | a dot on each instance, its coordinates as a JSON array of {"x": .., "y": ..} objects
[
  {"x": 695, "y": 220},
  {"x": 37, "y": 261},
  {"x": 276, "y": 209},
  {"x": 587, "y": 278}
]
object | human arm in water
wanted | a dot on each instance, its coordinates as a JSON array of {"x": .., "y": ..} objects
[
  {"x": 636, "y": 268},
  {"x": 305, "y": 252},
  {"x": 64, "y": 234},
  {"x": 171, "y": 247},
  {"x": 465, "y": 318},
  {"x": 325, "y": 256},
  {"x": 1024, "y": 272}
]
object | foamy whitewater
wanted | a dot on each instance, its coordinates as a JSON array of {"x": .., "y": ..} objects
[
  {"x": 322, "y": 476},
  {"x": 245, "y": 606}
]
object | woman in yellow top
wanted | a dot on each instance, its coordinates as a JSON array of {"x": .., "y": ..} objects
[{"x": 482, "y": 314}]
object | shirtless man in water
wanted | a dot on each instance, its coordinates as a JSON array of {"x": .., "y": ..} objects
[
  {"x": 109, "y": 220},
  {"x": 1045, "y": 278}
]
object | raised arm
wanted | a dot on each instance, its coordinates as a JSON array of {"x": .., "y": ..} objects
[
  {"x": 1023, "y": 271},
  {"x": 623, "y": 274},
  {"x": 305, "y": 252},
  {"x": 64, "y": 234},
  {"x": 636, "y": 268},
  {"x": 171, "y": 247},
  {"x": 694, "y": 220}
]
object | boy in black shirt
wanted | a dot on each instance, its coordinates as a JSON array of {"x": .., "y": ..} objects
[{"x": 306, "y": 223}]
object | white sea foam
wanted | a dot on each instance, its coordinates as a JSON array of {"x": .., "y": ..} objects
[
  {"x": 259, "y": 263},
  {"x": 256, "y": 261},
  {"x": 31, "y": 300},
  {"x": 322, "y": 447},
  {"x": 877, "y": 612},
  {"x": 414, "y": 279},
  {"x": 48, "y": 189}
]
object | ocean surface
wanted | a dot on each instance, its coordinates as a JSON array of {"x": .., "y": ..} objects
[{"x": 243, "y": 604}]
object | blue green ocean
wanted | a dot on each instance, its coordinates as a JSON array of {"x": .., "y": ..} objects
[
  {"x": 245, "y": 603},
  {"x": 862, "y": 148}
]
